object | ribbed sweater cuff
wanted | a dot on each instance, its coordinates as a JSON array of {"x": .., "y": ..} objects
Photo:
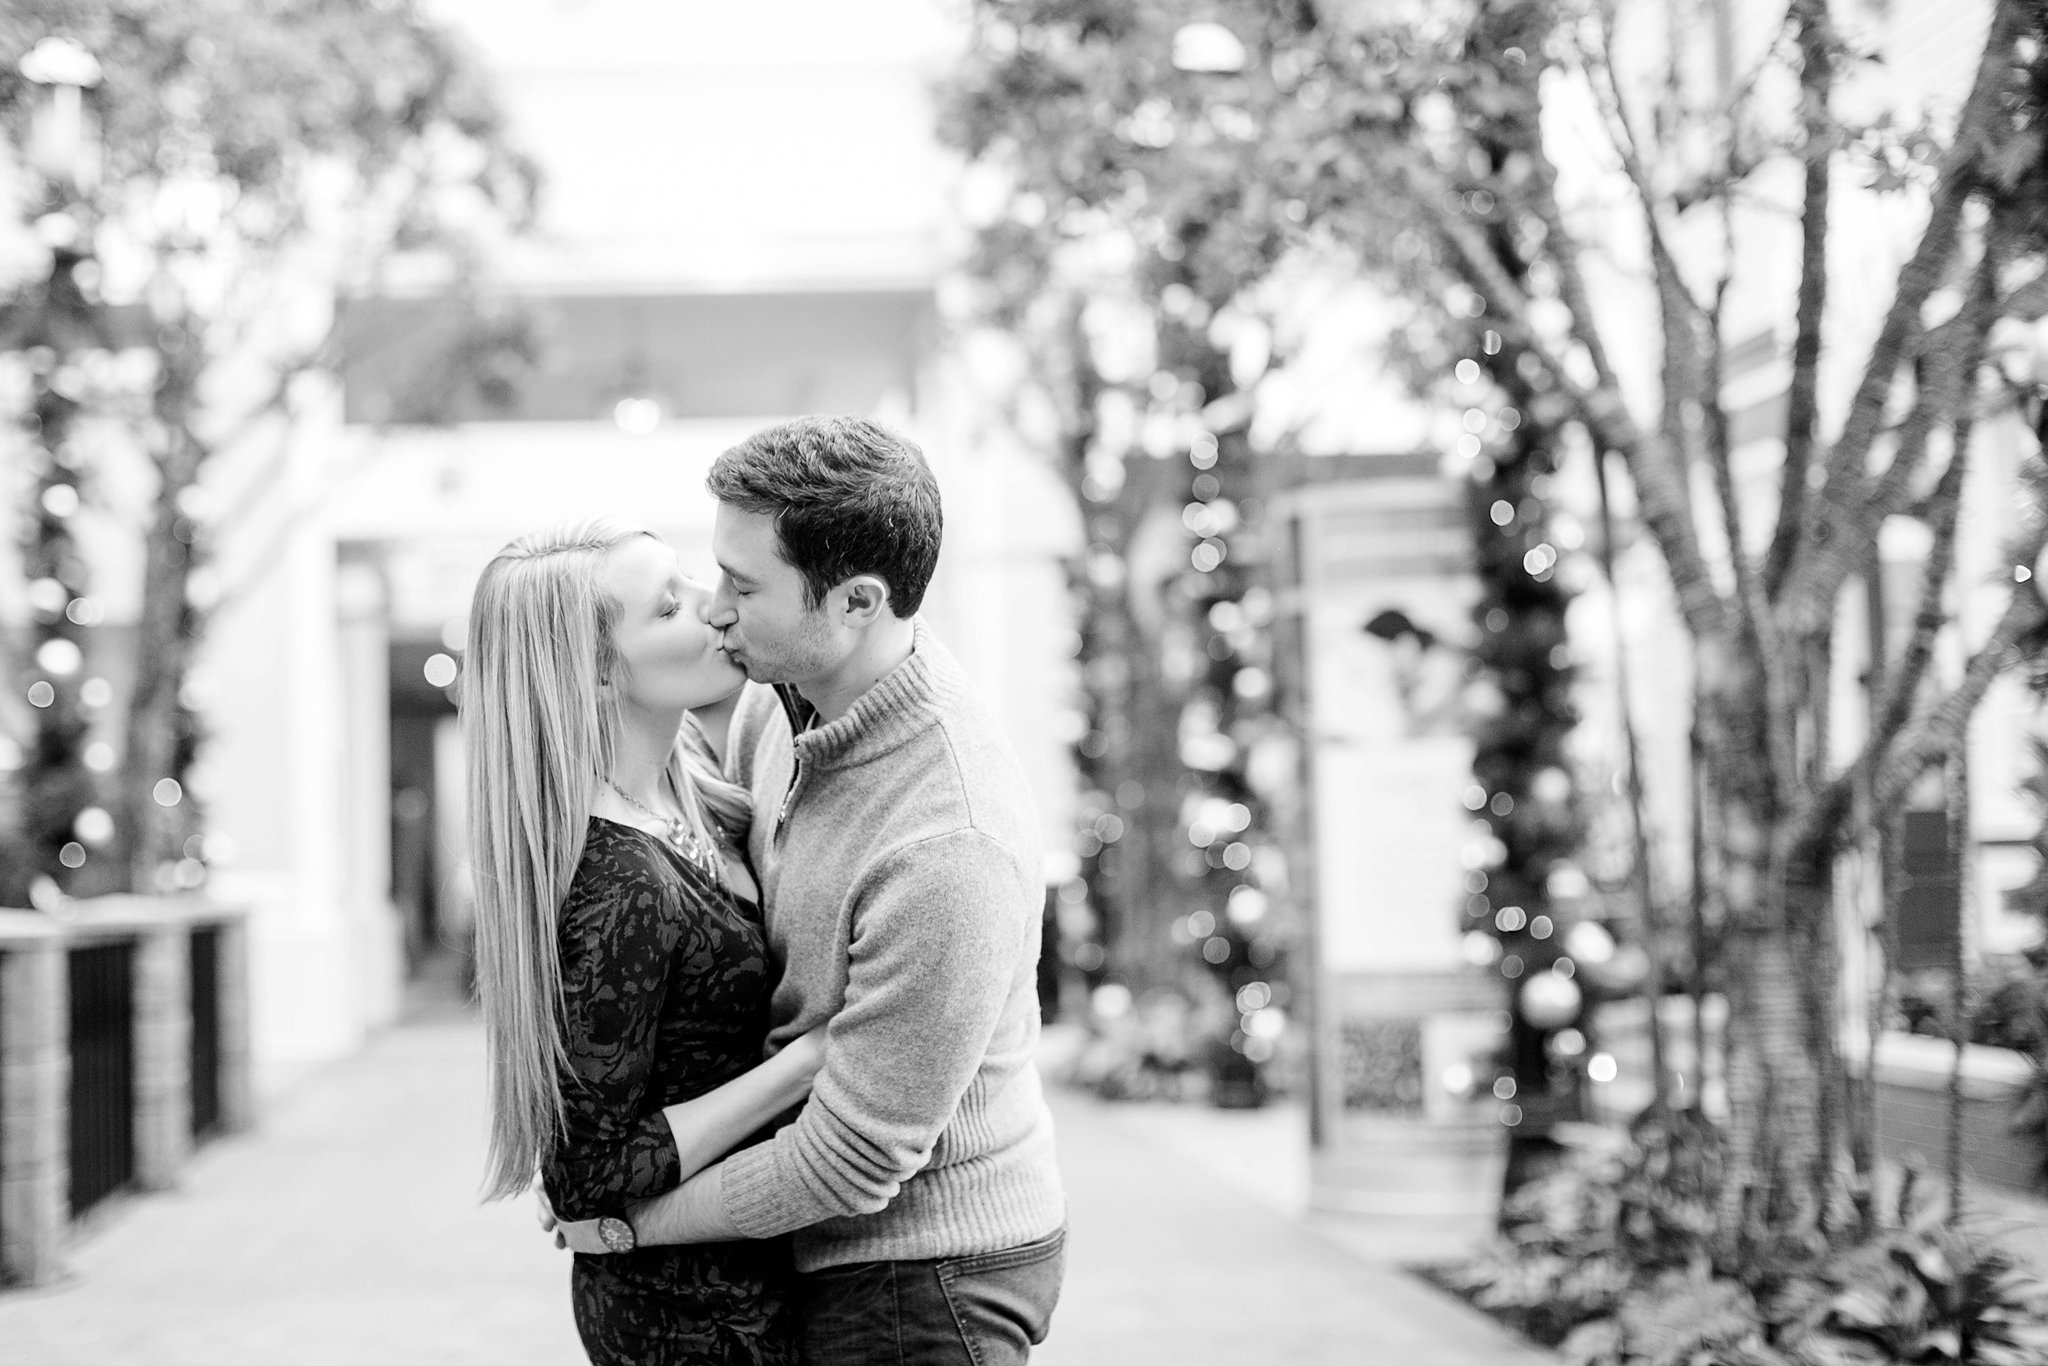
[{"x": 751, "y": 1188}]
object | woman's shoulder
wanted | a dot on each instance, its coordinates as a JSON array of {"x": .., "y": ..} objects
[{"x": 621, "y": 867}]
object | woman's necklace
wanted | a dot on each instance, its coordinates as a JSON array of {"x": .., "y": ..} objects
[{"x": 678, "y": 834}]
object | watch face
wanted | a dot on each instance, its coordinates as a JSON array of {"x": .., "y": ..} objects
[{"x": 617, "y": 1234}]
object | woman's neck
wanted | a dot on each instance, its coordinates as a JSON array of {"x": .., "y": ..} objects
[
  {"x": 644, "y": 744},
  {"x": 716, "y": 720}
]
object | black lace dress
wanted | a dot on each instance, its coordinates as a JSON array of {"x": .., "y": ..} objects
[{"x": 666, "y": 982}]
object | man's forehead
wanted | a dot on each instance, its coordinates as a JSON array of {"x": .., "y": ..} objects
[{"x": 744, "y": 539}]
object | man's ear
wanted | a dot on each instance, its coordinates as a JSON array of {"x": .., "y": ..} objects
[{"x": 866, "y": 597}]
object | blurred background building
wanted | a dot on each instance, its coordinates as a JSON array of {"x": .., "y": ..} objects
[{"x": 744, "y": 218}]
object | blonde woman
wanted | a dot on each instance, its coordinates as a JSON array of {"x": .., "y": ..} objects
[{"x": 620, "y": 950}]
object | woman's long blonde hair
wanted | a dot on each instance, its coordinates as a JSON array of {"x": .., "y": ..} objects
[{"x": 542, "y": 734}]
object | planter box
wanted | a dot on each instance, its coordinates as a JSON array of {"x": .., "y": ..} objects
[
  {"x": 35, "y": 1088},
  {"x": 1912, "y": 1091},
  {"x": 123, "y": 1038}
]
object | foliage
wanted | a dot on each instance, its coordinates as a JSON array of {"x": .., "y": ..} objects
[
  {"x": 262, "y": 161},
  {"x": 1927, "y": 1291},
  {"x": 2005, "y": 1003},
  {"x": 1619, "y": 1209},
  {"x": 1612, "y": 1261}
]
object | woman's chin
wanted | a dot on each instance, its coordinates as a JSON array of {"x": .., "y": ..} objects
[{"x": 726, "y": 690}]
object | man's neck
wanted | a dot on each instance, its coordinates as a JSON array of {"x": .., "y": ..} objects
[{"x": 883, "y": 647}]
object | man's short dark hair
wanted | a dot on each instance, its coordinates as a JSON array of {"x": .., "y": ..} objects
[{"x": 848, "y": 497}]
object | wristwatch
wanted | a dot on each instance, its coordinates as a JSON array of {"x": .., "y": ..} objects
[{"x": 617, "y": 1234}]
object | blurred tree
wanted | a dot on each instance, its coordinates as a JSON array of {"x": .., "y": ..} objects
[
  {"x": 1762, "y": 621},
  {"x": 261, "y": 163},
  {"x": 1139, "y": 369},
  {"x": 1524, "y": 790},
  {"x": 1431, "y": 142},
  {"x": 51, "y": 326},
  {"x": 1142, "y": 125}
]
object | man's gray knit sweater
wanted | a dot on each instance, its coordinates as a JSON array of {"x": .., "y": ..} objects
[{"x": 898, "y": 853}]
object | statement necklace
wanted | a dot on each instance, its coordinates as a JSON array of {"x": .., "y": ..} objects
[{"x": 678, "y": 834}]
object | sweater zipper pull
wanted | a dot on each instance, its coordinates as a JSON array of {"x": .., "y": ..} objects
[{"x": 782, "y": 815}]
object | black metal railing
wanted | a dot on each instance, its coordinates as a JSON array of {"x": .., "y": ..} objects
[
  {"x": 205, "y": 1029},
  {"x": 102, "y": 1071}
]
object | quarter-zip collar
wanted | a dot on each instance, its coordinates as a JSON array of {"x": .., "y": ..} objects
[{"x": 907, "y": 701}]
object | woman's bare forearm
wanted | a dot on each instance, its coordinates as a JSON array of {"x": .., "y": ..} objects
[{"x": 713, "y": 1124}]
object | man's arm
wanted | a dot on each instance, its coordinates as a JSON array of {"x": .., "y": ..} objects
[
  {"x": 693, "y": 1212},
  {"x": 939, "y": 937}
]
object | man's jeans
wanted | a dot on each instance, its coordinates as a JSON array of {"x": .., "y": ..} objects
[{"x": 984, "y": 1310}]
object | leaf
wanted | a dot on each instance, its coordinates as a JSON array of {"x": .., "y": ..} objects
[
  {"x": 1826, "y": 1350},
  {"x": 1669, "y": 1323},
  {"x": 1597, "y": 1343},
  {"x": 1938, "y": 1344},
  {"x": 1861, "y": 1307},
  {"x": 1934, "y": 1266}
]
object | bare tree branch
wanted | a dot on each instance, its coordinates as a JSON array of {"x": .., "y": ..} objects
[
  {"x": 1942, "y": 728},
  {"x": 1820, "y": 562},
  {"x": 1904, "y": 676},
  {"x": 1721, "y": 458},
  {"x": 1684, "y": 363},
  {"x": 1656, "y": 470},
  {"x": 1749, "y": 591},
  {"x": 1954, "y": 355},
  {"x": 1816, "y": 82},
  {"x": 1893, "y": 755},
  {"x": 1950, "y": 359}
]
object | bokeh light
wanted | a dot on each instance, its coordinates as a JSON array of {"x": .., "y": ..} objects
[{"x": 59, "y": 656}]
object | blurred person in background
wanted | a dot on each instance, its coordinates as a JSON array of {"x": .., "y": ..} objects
[
  {"x": 898, "y": 851},
  {"x": 621, "y": 957}
]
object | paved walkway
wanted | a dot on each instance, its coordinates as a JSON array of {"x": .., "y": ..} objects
[{"x": 345, "y": 1230}]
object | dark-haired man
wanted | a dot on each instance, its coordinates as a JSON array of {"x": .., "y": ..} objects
[{"x": 899, "y": 860}]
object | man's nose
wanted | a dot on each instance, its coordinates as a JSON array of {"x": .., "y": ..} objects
[{"x": 716, "y": 610}]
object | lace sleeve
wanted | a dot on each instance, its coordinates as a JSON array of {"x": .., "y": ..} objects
[{"x": 619, "y": 936}]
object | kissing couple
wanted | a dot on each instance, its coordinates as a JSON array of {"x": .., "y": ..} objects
[{"x": 758, "y": 913}]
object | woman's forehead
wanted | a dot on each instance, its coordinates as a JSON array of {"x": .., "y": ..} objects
[{"x": 642, "y": 566}]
